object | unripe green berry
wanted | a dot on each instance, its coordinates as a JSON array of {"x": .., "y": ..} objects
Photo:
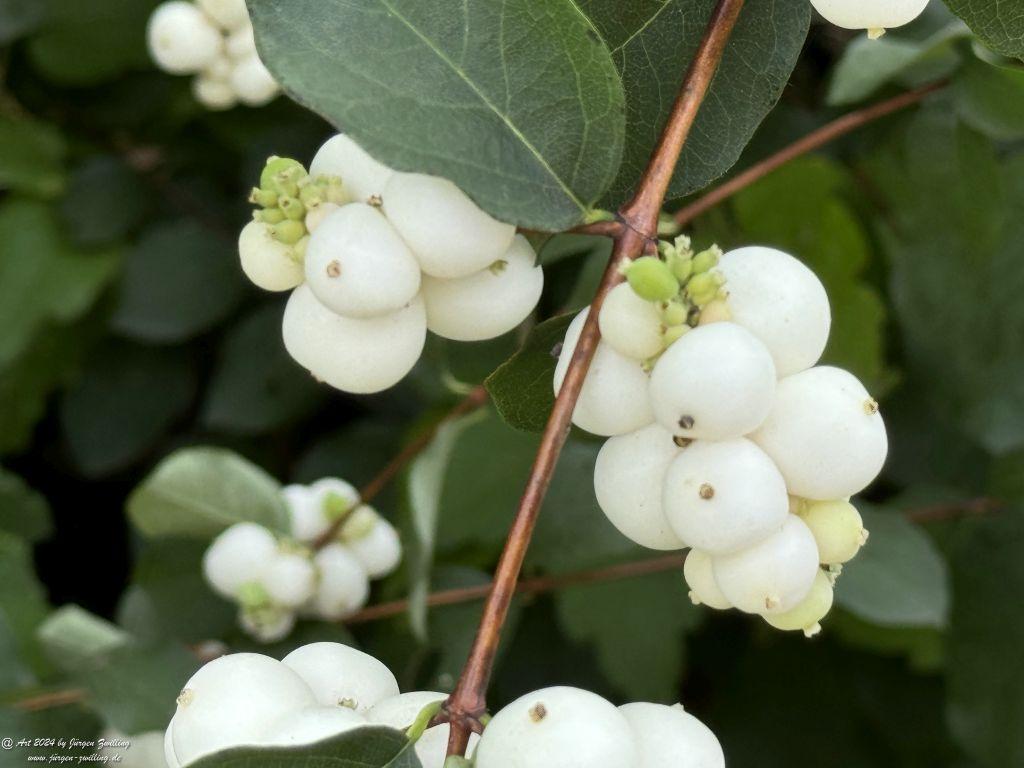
[
  {"x": 288, "y": 231},
  {"x": 707, "y": 260},
  {"x": 674, "y": 313},
  {"x": 674, "y": 333},
  {"x": 716, "y": 311},
  {"x": 359, "y": 524},
  {"x": 299, "y": 249},
  {"x": 838, "y": 529},
  {"x": 651, "y": 279},
  {"x": 808, "y": 613},
  {"x": 253, "y": 596},
  {"x": 682, "y": 267},
  {"x": 292, "y": 208},
  {"x": 336, "y": 506},
  {"x": 703, "y": 288},
  {"x": 312, "y": 195},
  {"x": 264, "y": 198},
  {"x": 275, "y": 167},
  {"x": 269, "y": 215}
]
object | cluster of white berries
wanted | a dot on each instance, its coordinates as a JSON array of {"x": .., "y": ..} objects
[
  {"x": 725, "y": 437},
  {"x": 377, "y": 258},
  {"x": 875, "y": 16},
  {"x": 213, "y": 40},
  {"x": 274, "y": 580},
  {"x": 316, "y": 692},
  {"x": 322, "y": 690}
]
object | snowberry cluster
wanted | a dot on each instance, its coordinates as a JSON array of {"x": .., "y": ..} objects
[
  {"x": 274, "y": 579},
  {"x": 213, "y": 40},
  {"x": 565, "y": 727},
  {"x": 377, "y": 258},
  {"x": 873, "y": 15},
  {"x": 725, "y": 435},
  {"x": 316, "y": 692}
]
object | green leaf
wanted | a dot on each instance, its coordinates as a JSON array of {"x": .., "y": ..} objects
[
  {"x": 519, "y": 103},
  {"x": 198, "y": 492},
  {"x": 637, "y": 627},
  {"x": 22, "y": 600},
  {"x": 256, "y": 386},
  {"x": 41, "y": 278},
  {"x": 72, "y": 722},
  {"x": 73, "y": 637},
  {"x": 179, "y": 281},
  {"x": 19, "y": 18},
  {"x": 1000, "y": 25},
  {"x": 105, "y": 200},
  {"x": 923, "y": 646},
  {"x": 31, "y": 157},
  {"x": 985, "y": 673},
  {"x": 23, "y": 511},
  {"x": 522, "y": 388},
  {"x": 652, "y": 43},
  {"x": 83, "y": 44},
  {"x": 898, "y": 578},
  {"x": 366, "y": 747},
  {"x": 113, "y": 415},
  {"x": 990, "y": 99}
]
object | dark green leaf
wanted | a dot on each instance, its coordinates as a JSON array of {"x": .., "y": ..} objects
[
  {"x": 23, "y": 511},
  {"x": 519, "y": 103},
  {"x": 22, "y": 600},
  {"x": 72, "y": 637},
  {"x": 990, "y": 99},
  {"x": 31, "y": 157},
  {"x": 198, "y": 492},
  {"x": 522, "y": 388},
  {"x": 74, "y": 722},
  {"x": 1000, "y": 25},
  {"x": 180, "y": 280},
  {"x": 105, "y": 200}
]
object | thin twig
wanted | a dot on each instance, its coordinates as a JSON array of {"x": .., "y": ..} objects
[
  {"x": 827, "y": 133},
  {"x": 467, "y": 704}
]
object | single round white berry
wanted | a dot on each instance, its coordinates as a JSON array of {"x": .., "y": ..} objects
[
  {"x": 671, "y": 736},
  {"x": 181, "y": 39},
  {"x": 170, "y": 756},
  {"x": 267, "y": 625},
  {"x": 308, "y": 521},
  {"x": 874, "y": 15},
  {"x": 838, "y": 529},
  {"x": 289, "y": 578},
  {"x": 213, "y": 93},
  {"x": 487, "y": 303},
  {"x": 631, "y": 325},
  {"x": 628, "y": 478},
  {"x": 358, "y": 266},
  {"x": 806, "y": 615},
  {"x": 449, "y": 234},
  {"x": 715, "y": 383},
  {"x": 701, "y": 580},
  {"x": 229, "y": 14},
  {"x": 825, "y": 434},
  {"x": 361, "y": 175},
  {"x": 558, "y": 726},
  {"x": 779, "y": 300},
  {"x": 318, "y": 215},
  {"x": 241, "y": 43},
  {"x": 233, "y": 701},
  {"x": 772, "y": 576},
  {"x": 614, "y": 398},
  {"x": 379, "y": 550},
  {"x": 237, "y": 557},
  {"x": 344, "y": 585},
  {"x": 357, "y": 355},
  {"x": 334, "y": 491},
  {"x": 342, "y": 676},
  {"x": 267, "y": 262},
  {"x": 307, "y": 726},
  {"x": 253, "y": 83},
  {"x": 400, "y": 711},
  {"x": 724, "y": 496}
]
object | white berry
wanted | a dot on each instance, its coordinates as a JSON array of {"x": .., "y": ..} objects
[
  {"x": 319, "y": 214},
  {"x": 170, "y": 756},
  {"x": 779, "y": 300},
  {"x": 214, "y": 93},
  {"x": 361, "y": 175},
  {"x": 342, "y": 676},
  {"x": 181, "y": 39},
  {"x": 379, "y": 550},
  {"x": 241, "y": 43},
  {"x": 268, "y": 263},
  {"x": 715, "y": 383},
  {"x": 700, "y": 578},
  {"x": 358, "y": 266},
  {"x": 289, "y": 578},
  {"x": 487, "y": 303},
  {"x": 229, "y": 14},
  {"x": 724, "y": 496},
  {"x": 808, "y": 613},
  {"x": 773, "y": 575},
  {"x": 671, "y": 736},
  {"x": 614, "y": 399},
  {"x": 825, "y": 434},
  {"x": 561, "y": 726},
  {"x": 308, "y": 726},
  {"x": 232, "y": 701},
  {"x": 631, "y": 325},
  {"x": 344, "y": 585},
  {"x": 267, "y": 625},
  {"x": 253, "y": 83},
  {"x": 400, "y": 711},
  {"x": 446, "y": 230},
  {"x": 838, "y": 529},
  {"x": 237, "y": 557},
  {"x": 307, "y": 518},
  {"x": 628, "y": 480},
  {"x": 357, "y": 355},
  {"x": 873, "y": 15}
]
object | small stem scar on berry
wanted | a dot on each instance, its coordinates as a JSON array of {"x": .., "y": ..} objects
[{"x": 640, "y": 220}]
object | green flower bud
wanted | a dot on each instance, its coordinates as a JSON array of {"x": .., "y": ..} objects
[
  {"x": 288, "y": 231},
  {"x": 651, "y": 279},
  {"x": 674, "y": 313},
  {"x": 263, "y": 198},
  {"x": 269, "y": 215},
  {"x": 253, "y": 596},
  {"x": 673, "y": 334},
  {"x": 707, "y": 260},
  {"x": 336, "y": 506},
  {"x": 311, "y": 195},
  {"x": 681, "y": 266},
  {"x": 684, "y": 245},
  {"x": 275, "y": 167},
  {"x": 359, "y": 524},
  {"x": 703, "y": 288},
  {"x": 667, "y": 225},
  {"x": 292, "y": 208}
]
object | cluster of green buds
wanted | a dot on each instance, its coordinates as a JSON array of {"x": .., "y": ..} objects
[
  {"x": 288, "y": 195},
  {"x": 685, "y": 285}
]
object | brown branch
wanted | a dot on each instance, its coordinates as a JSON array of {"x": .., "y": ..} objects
[
  {"x": 52, "y": 700},
  {"x": 827, "y": 133},
  {"x": 983, "y": 505},
  {"x": 476, "y": 398},
  {"x": 467, "y": 704}
]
